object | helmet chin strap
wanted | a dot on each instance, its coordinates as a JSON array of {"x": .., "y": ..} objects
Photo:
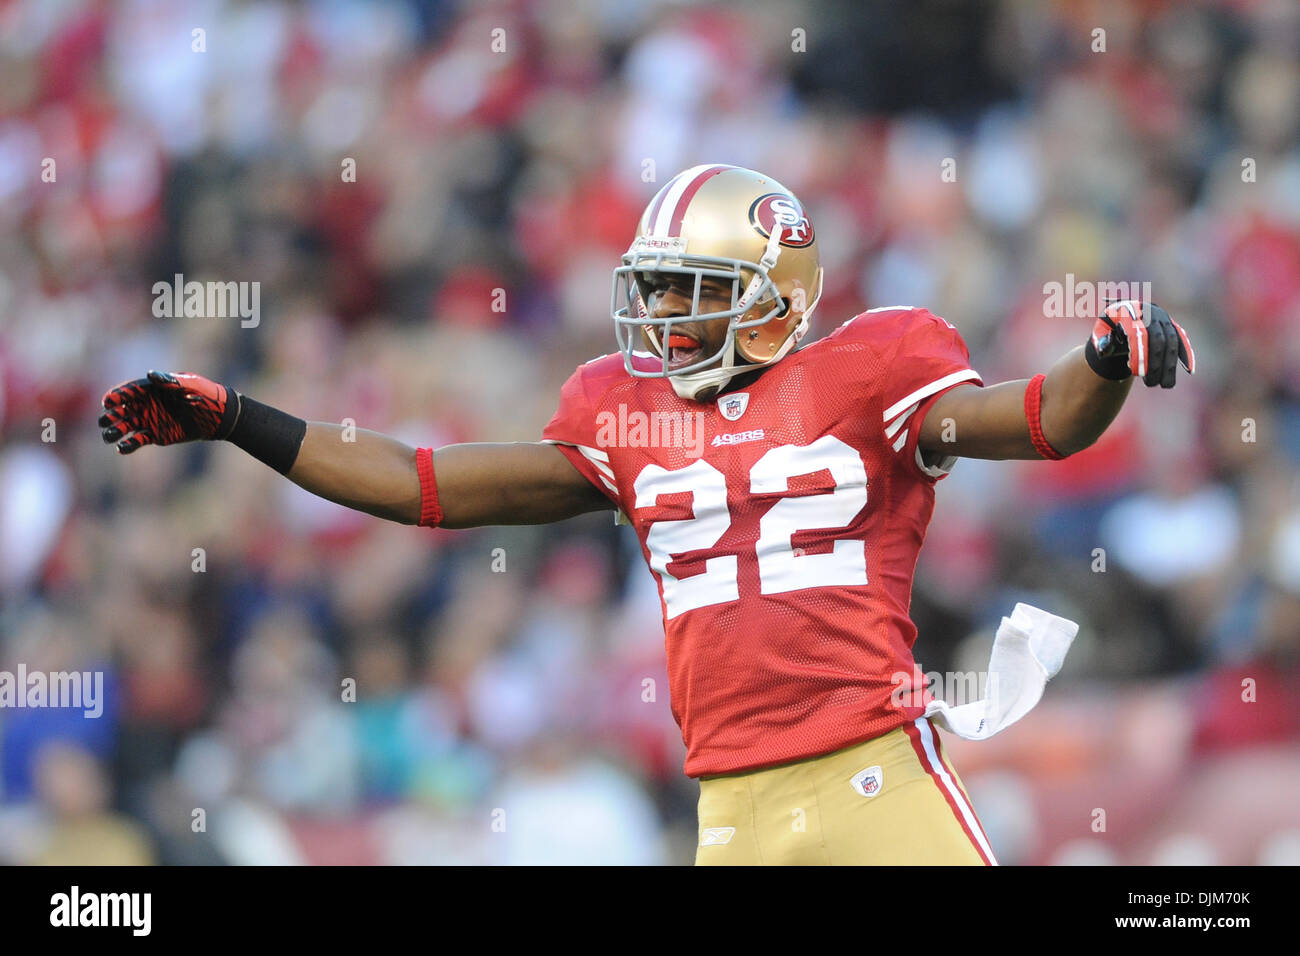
[{"x": 701, "y": 386}]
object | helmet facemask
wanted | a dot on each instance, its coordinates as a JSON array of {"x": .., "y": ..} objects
[{"x": 755, "y": 301}]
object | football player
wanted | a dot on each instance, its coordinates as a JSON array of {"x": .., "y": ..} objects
[{"x": 783, "y": 538}]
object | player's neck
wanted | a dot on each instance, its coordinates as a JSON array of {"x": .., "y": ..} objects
[{"x": 743, "y": 380}]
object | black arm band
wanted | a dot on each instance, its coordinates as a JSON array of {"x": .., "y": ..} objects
[
  {"x": 1112, "y": 367},
  {"x": 268, "y": 434}
]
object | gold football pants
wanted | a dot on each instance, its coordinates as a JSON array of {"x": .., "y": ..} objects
[{"x": 893, "y": 800}]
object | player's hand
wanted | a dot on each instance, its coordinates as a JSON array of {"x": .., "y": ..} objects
[
  {"x": 1139, "y": 338},
  {"x": 165, "y": 408}
]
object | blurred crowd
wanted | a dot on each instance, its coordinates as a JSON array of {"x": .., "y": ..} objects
[{"x": 289, "y": 681}]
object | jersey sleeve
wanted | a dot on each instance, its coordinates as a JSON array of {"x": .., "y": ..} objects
[
  {"x": 573, "y": 430},
  {"x": 930, "y": 359}
]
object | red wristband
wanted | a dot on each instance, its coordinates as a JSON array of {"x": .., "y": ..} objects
[
  {"x": 1033, "y": 415},
  {"x": 430, "y": 511}
]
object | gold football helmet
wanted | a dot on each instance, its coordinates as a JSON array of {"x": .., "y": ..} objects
[{"x": 732, "y": 224}]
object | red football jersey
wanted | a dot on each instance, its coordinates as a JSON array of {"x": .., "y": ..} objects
[{"x": 783, "y": 523}]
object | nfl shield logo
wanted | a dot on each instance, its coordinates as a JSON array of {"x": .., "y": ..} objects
[
  {"x": 733, "y": 406},
  {"x": 868, "y": 782}
]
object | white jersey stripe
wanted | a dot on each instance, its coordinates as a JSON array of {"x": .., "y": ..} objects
[
  {"x": 925, "y": 391},
  {"x": 892, "y": 430},
  {"x": 602, "y": 467},
  {"x": 606, "y": 474}
]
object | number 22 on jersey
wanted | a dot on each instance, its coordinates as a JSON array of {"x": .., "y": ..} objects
[{"x": 780, "y": 568}]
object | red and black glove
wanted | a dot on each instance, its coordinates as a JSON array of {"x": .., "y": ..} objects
[
  {"x": 165, "y": 408},
  {"x": 1139, "y": 338}
]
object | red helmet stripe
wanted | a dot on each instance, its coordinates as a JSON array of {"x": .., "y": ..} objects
[
  {"x": 679, "y": 213},
  {"x": 659, "y": 201}
]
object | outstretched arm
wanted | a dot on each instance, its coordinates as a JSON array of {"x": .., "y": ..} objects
[
  {"x": 478, "y": 484},
  {"x": 1077, "y": 406},
  {"x": 1081, "y": 394}
]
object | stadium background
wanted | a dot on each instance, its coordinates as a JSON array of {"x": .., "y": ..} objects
[{"x": 525, "y": 171}]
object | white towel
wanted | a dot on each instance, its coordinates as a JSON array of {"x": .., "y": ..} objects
[{"x": 1028, "y": 650}]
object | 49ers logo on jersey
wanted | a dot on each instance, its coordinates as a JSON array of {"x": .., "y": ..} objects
[{"x": 777, "y": 208}]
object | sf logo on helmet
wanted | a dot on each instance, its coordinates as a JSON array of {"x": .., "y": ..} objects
[{"x": 776, "y": 208}]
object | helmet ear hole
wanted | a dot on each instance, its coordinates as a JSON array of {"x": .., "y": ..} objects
[{"x": 785, "y": 308}]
